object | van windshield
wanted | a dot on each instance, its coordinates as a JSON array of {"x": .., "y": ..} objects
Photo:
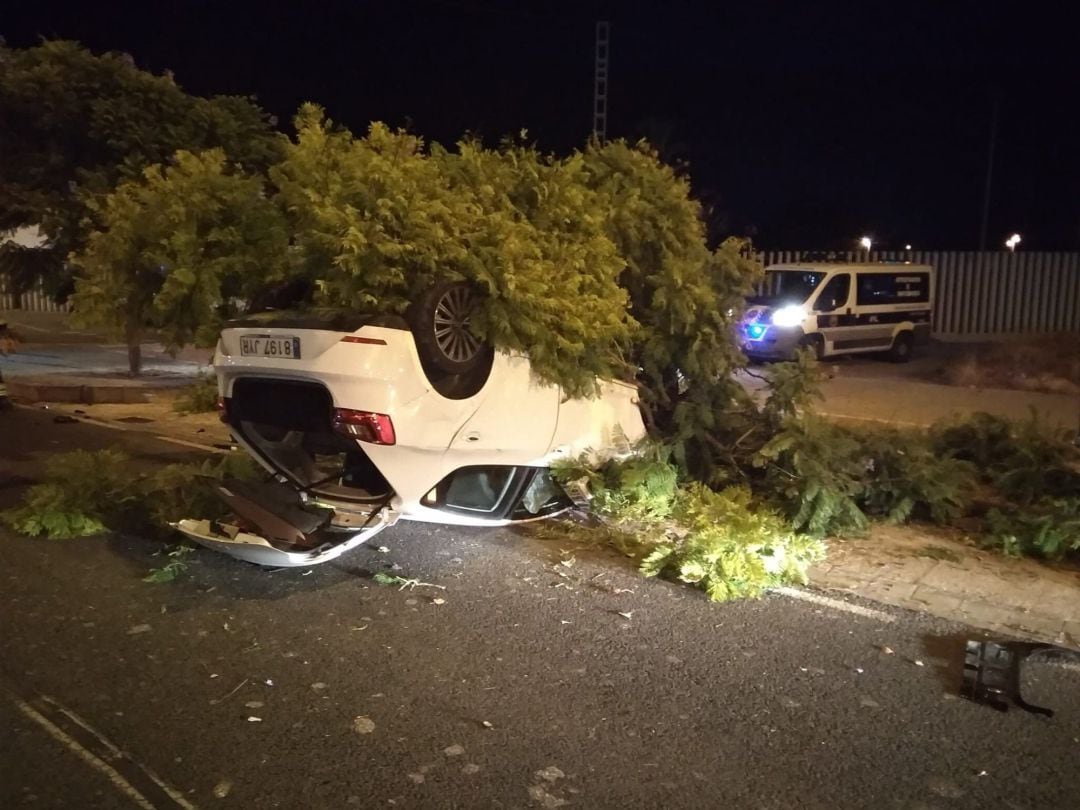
[{"x": 787, "y": 287}]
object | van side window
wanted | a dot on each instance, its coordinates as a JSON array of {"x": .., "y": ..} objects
[
  {"x": 835, "y": 293},
  {"x": 893, "y": 288}
]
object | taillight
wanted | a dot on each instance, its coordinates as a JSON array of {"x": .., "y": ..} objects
[{"x": 364, "y": 425}]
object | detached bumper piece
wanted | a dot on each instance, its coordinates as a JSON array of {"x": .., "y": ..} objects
[
  {"x": 992, "y": 672},
  {"x": 273, "y": 527}
]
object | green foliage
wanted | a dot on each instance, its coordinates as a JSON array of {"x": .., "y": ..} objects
[
  {"x": 831, "y": 479},
  {"x": 686, "y": 298},
  {"x": 639, "y": 489},
  {"x": 815, "y": 470},
  {"x": 721, "y": 541},
  {"x": 1049, "y": 528},
  {"x": 74, "y": 124},
  {"x": 176, "y": 566},
  {"x": 173, "y": 246},
  {"x": 379, "y": 218},
  {"x": 179, "y": 491},
  {"x": 81, "y": 492},
  {"x": 1024, "y": 461},
  {"x": 199, "y": 397},
  {"x": 84, "y": 493},
  {"x": 732, "y": 549},
  {"x": 906, "y": 477}
]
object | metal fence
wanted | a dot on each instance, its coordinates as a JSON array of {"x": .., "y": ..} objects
[
  {"x": 33, "y": 301},
  {"x": 985, "y": 294}
]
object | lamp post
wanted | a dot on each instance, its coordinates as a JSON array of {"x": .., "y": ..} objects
[{"x": 1012, "y": 242}]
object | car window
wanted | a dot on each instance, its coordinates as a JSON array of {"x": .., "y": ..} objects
[
  {"x": 541, "y": 497},
  {"x": 835, "y": 293},
  {"x": 477, "y": 489},
  {"x": 893, "y": 288}
]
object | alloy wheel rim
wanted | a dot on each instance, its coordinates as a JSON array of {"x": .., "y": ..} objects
[{"x": 452, "y": 315}]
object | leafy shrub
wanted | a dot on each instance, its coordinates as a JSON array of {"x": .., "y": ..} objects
[
  {"x": 81, "y": 492},
  {"x": 814, "y": 469},
  {"x": 720, "y": 541},
  {"x": 730, "y": 548},
  {"x": 185, "y": 490},
  {"x": 905, "y": 477},
  {"x": 199, "y": 397},
  {"x": 84, "y": 493},
  {"x": 1050, "y": 528},
  {"x": 1025, "y": 461},
  {"x": 640, "y": 489}
]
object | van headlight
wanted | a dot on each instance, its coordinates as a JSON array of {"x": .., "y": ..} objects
[{"x": 791, "y": 315}]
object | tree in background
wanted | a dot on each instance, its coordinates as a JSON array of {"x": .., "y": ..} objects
[
  {"x": 73, "y": 125},
  {"x": 172, "y": 247}
]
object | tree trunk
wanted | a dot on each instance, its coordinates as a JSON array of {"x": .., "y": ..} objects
[
  {"x": 134, "y": 344},
  {"x": 134, "y": 359}
]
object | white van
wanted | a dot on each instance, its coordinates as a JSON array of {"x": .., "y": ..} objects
[{"x": 839, "y": 309}]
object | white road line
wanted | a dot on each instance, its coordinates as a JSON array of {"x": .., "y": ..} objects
[
  {"x": 835, "y": 604},
  {"x": 118, "y": 781},
  {"x": 172, "y": 792}
]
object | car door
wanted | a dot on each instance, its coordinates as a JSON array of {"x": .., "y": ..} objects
[
  {"x": 833, "y": 310},
  {"x": 512, "y": 425}
]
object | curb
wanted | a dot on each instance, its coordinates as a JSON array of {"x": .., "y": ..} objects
[{"x": 33, "y": 390}]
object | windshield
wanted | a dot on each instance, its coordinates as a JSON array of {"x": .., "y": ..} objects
[{"x": 787, "y": 286}]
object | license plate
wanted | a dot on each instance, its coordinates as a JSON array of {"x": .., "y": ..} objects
[{"x": 286, "y": 347}]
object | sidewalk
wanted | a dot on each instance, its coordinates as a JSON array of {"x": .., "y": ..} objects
[{"x": 922, "y": 568}]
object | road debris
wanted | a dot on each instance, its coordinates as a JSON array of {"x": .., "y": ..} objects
[
  {"x": 139, "y": 628},
  {"x": 992, "y": 671},
  {"x": 454, "y": 750},
  {"x": 486, "y": 724},
  {"x": 235, "y": 689},
  {"x": 438, "y": 600},
  {"x": 254, "y": 719},
  {"x": 887, "y": 650},
  {"x": 627, "y": 615},
  {"x": 363, "y": 725},
  {"x": 222, "y": 789}
]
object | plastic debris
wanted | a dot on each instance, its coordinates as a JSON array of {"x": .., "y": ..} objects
[{"x": 992, "y": 671}]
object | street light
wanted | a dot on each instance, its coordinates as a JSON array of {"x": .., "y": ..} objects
[
  {"x": 907, "y": 247},
  {"x": 865, "y": 242},
  {"x": 1012, "y": 242}
]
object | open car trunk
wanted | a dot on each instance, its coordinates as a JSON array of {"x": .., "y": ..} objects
[{"x": 272, "y": 525}]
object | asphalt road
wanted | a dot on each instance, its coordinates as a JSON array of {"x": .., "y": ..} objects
[{"x": 526, "y": 687}]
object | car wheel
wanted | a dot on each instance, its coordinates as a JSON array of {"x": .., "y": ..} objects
[
  {"x": 440, "y": 324},
  {"x": 815, "y": 343},
  {"x": 901, "y": 347}
]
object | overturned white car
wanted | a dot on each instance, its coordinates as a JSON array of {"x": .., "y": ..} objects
[{"x": 365, "y": 420}]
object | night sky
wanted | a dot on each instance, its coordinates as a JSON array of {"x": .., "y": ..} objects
[{"x": 803, "y": 124}]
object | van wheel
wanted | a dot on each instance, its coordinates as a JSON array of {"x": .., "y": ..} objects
[
  {"x": 901, "y": 347},
  {"x": 815, "y": 343},
  {"x": 440, "y": 324}
]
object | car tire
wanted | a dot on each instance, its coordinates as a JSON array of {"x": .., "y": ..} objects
[
  {"x": 902, "y": 346},
  {"x": 815, "y": 343},
  {"x": 440, "y": 324}
]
